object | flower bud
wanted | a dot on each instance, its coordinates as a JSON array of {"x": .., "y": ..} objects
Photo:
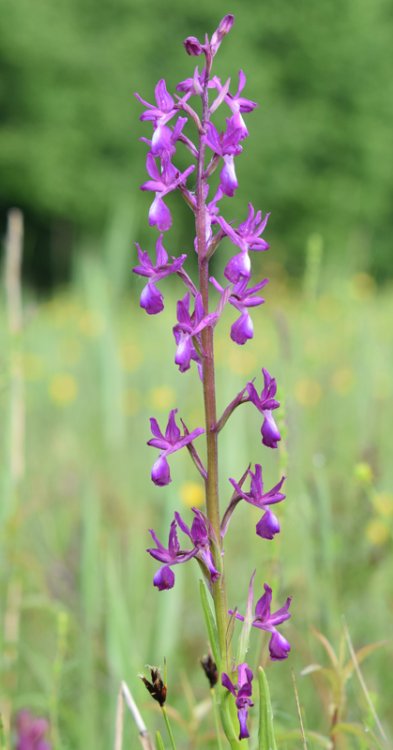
[
  {"x": 193, "y": 46},
  {"x": 223, "y": 29}
]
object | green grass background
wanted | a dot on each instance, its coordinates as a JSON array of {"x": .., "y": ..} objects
[{"x": 78, "y": 610}]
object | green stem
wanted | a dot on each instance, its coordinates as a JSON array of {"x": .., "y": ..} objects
[
  {"x": 216, "y": 714},
  {"x": 169, "y": 728}
]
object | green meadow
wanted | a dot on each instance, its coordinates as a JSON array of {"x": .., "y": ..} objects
[{"x": 78, "y": 609}]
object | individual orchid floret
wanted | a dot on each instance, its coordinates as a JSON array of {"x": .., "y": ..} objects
[
  {"x": 201, "y": 535},
  {"x": 163, "y": 183},
  {"x": 226, "y": 145},
  {"x": 239, "y": 104},
  {"x": 264, "y": 619},
  {"x": 151, "y": 298},
  {"x": 188, "y": 328},
  {"x": 241, "y": 298},
  {"x": 247, "y": 237},
  {"x": 266, "y": 403},
  {"x": 172, "y": 555},
  {"x": 31, "y": 732},
  {"x": 163, "y": 110},
  {"x": 164, "y": 138},
  {"x": 169, "y": 443},
  {"x": 242, "y": 693},
  {"x": 268, "y": 526},
  {"x": 194, "y": 85}
]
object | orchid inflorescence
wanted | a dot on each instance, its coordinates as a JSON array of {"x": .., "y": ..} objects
[{"x": 172, "y": 117}]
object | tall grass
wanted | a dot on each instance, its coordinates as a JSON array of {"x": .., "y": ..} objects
[{"x": 74, "y": 575}]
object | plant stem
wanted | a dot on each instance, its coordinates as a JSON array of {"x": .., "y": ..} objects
[
  {"x": 216, "y": 718},
  {"x": 209, "y": 391},
  {"x": 226, "y": 703},
  {"x": 169, "y": 728}
]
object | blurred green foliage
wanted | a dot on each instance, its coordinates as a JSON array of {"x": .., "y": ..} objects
[
  {"x": 320, "y": 151},
  {"x": 78, "y": 611}
]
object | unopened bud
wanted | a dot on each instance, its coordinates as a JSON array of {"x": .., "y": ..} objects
[
  {"x": 193, "y": 46},
  {"x": 223, "y": 29}
]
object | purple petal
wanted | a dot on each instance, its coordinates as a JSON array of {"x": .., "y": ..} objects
[
  {"x": 183, "y": 352},
  {"x": 164, "y": 579},
  {"x": 268, "y": 526},
  {"x": 227, "y": 682},
  {"x": 172, "y": 432},
  {"x": 152, "y": 299},
  {"x": 163, "y": 98},
  {"x": 269, "y": 431},
  {"x": 160, "y": 215},
  {"x": 193, "y": 46},
  {"x": 160, "y": 472},
  {"x": 262, "y": 607},
  {"x": 228, "y": 179},
  {"x": 242, "y": 715},
  {"x": 242, "y": 329},
  {"x": 161, "y": 142},
  {"x": 238, "y": 267},
  {"x": 279, "y": 647}
]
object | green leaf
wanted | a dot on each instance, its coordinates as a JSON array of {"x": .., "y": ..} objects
[
  {"x": 210, "y": 623},
  {"x": 159, "y": 741},
  {"x": 247, "y": 623},
  {"x": 266, "y": 738}
]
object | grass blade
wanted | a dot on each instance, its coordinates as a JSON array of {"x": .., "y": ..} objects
[{"x": 266, "y": 738}]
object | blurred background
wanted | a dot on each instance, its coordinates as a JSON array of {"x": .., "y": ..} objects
[{"x": 79, "y": 361}]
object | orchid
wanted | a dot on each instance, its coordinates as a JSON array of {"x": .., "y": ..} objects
[
  {"x": 171, "y": 555},
  {"x": 266, "y": 403},
  {"x": 242, "y": 297},
  {"x": 169, "y": 443},
  {"x": 213, "y": 147},
  {"x": 188, "y": 329},
  {"x": 201, "y": 534},
  {"x": 162, "y": 183},
  {"x": 264, "y": 619},
  {"x": 30, "y": 732},
  {"x": 268, "y": 526},
  {"x": 151, "y": 298},
  {"x": 242, "y": 692}
]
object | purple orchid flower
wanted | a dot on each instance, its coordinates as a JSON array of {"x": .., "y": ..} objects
[
  {"x": 194, "y": 85},
  {"x": 268, "y": 526},
  {"x": 226, "y": 145},
  {"x": 169, "y": 443},
  {"x": 279, "y": 647},
  {"x": 247, "y": 237},
  {"x": 162, "y": 183},
  {"x": 201, "y": 534},
  {"x": 242, "y": 693},
  {"x": 241, "y": 298},
  {"x": 164, "y": 138},
  {"x": 265, "y": 403},
  {"x": 239, "y": 104},
  {"x": 151, "y": 298},
  {"x": 188, "y": 327},
  {"x": 164, "y": 579},
  {"x": 30, "y": 732}
]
